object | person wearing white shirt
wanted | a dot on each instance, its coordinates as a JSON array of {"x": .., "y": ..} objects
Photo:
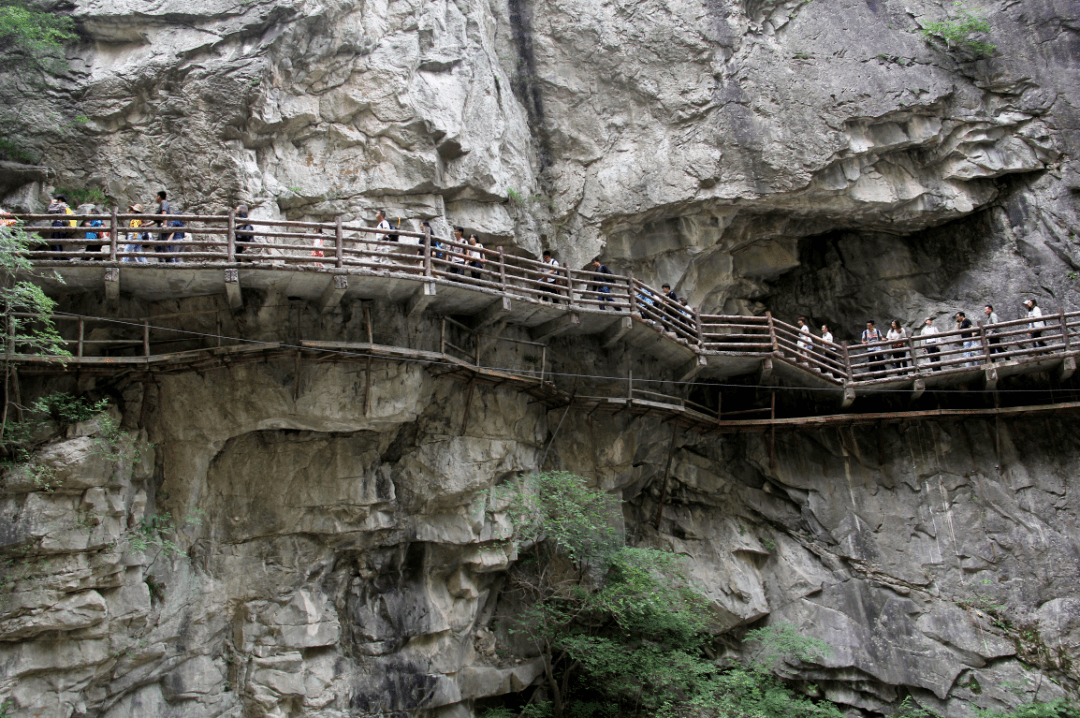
[
  {"x": 898, "y": 337},
  {"x": 551, "y": 274},
  {"x": 826, "y": 335},
  {"x": 1036, "y": 325},
  {"x": 805, "y": 337},
  {"x": 379, "y": 246},
  {"x": 929, "y": 341},
  {"x": 456, "y": 254},
  {"x": 477, "y": 260}
]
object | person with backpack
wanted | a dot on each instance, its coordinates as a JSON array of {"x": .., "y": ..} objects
[
  {"x": 603, "y": 291},
  {"x": 244, "y": 231},
  {"x": 135, "y": 238},
  {"x": 59, "y": 205},
  {"x": 162, "y": 208},
  {"x": 93, "y": 236},
  {"x": 871, "y": 335}
]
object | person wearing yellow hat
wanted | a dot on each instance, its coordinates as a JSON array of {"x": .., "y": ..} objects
[{"x": 135, "y": 238}]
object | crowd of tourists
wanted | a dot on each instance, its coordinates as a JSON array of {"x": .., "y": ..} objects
[
  {"x": 892, "y": 350},
  {"x": 165, "y": 240}
]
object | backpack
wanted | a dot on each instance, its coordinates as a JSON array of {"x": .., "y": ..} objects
[
  {"x": 176, "y": 223},
  {"x": 393, "y": 237},
  {"x": 55, "y": 208}
]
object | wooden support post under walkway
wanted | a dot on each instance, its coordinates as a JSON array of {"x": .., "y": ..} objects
[
  {"x": 613, "y": 334},
  {"x": 555, "y": 327},
  {"x": 418, "y": 302},
  {"x": 494, "y": 312},
  {"x": 331, "y": 296},
  {"x": 664, "y": 480},
  {"x": 112, "y": 287},
  {"x": 232, "y": 288}
]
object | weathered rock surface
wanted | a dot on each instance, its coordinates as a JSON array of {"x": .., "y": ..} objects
[{"x": 809, "y": 158}]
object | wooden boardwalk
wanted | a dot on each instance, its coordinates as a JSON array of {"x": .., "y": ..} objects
[{"x": 228, "y": 255}]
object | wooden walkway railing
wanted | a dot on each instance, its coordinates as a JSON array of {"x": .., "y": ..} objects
[{"x": 230, "y": 241}]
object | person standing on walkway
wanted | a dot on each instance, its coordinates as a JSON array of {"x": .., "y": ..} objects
[
  {"x": 379, "y": 247},
  {"x": 991, "y": 320},
  {"x": 550, "y": 277},
  {"x": 162, "y": 208},
  {"x": 136, "y": 237},
  {"x": 929, "y": 340},
  {"x": 603, "y": 290},
  {"x": 1037, "y": 324},
  {"x": 898, "y": 336},
  {"x": 457, "y": 254},
  {"x": 244, "y": 231},
  {"x": 826, "y": 334},
  {"x": 869, "y": 336},
  {"x": 968, "y": 338},
  {"x": 805, "y": 339},
  {"x": 669, "y": 311},
  {"x": 477, "y": 260}
]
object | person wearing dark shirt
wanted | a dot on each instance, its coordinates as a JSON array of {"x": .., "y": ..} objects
[
  {"x": 603, "y": 289},
  {"x": 962, "y": 322}
]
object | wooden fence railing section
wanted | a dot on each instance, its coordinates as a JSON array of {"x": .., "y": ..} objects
[{"x": 247, "y": 242}]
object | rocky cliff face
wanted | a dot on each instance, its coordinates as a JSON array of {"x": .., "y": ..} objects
[
  {"x": 815, "y": 158},
  {"x": 321, "y": 560}
]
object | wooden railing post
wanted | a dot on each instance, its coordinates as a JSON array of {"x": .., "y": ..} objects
[
  {"x": 543, "y": 362},
  {"x": 772, "y": 334},
  {"x": 914, "y": 357},
  {"x": 633, "y": 295},
  {"x": 146, "y": 337},
  {"x": 230, "y": 241},
  {"x": 82, "y": 327},
  {"x": 442, "y": 337},
  {"x": 114, "y": 236},
  {"x": 1064, "y": 328},
  {"x": 847, "y": 360},
  {"x": 339, "y": 245},
  {"x": 502, "y": 269},
  {"x": 985, "y": 341},
  {"x": 569, "y": 287},
  {"x": 698, "y": 325},
  {"x": 427, "y": 251}
]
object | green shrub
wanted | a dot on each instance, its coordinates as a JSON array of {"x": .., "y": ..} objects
[{"x": 959, "y": 35}]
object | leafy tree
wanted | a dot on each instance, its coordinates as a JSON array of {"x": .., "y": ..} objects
[
  {"x": 960, "y": 34},
  {"x": 622, "y": 630},
  {"x": 26, "y": 312},
  {"x": 33, "y": 36}
]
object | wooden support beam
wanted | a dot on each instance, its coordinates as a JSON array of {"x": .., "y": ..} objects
[
  {"x": 990, "y": 378},
  {"x": 555, "y": 327},
  {"x": 331, "y": 296},
  {"x": 232, "y": 288},
  {"x": 497, "y": 311},
  {"x": 849, "y": 396},
  {"x": 766, "y": 370},
  {"x": 664, "y": 481},
  {"x": 1068, "y": 366},
  {"x": 468, "y": 405},
  {"x": 616, "y": 331},
  {"x": 367, "y": 385},
  {"x": 112, "y": 286},
  {"x": 919, "y": 386},
  {"x": 419, "y": 301},
  {"x": 692, "y": 368}
]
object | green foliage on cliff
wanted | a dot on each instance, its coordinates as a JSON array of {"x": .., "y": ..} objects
[
  {"x": 31, "y": 35},
  {"x": 960, "y": 35},
  {"x": 623, "y": 630}
]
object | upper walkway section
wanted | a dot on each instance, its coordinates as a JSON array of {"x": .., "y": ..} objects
[{"x": 324, "y": 262}]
